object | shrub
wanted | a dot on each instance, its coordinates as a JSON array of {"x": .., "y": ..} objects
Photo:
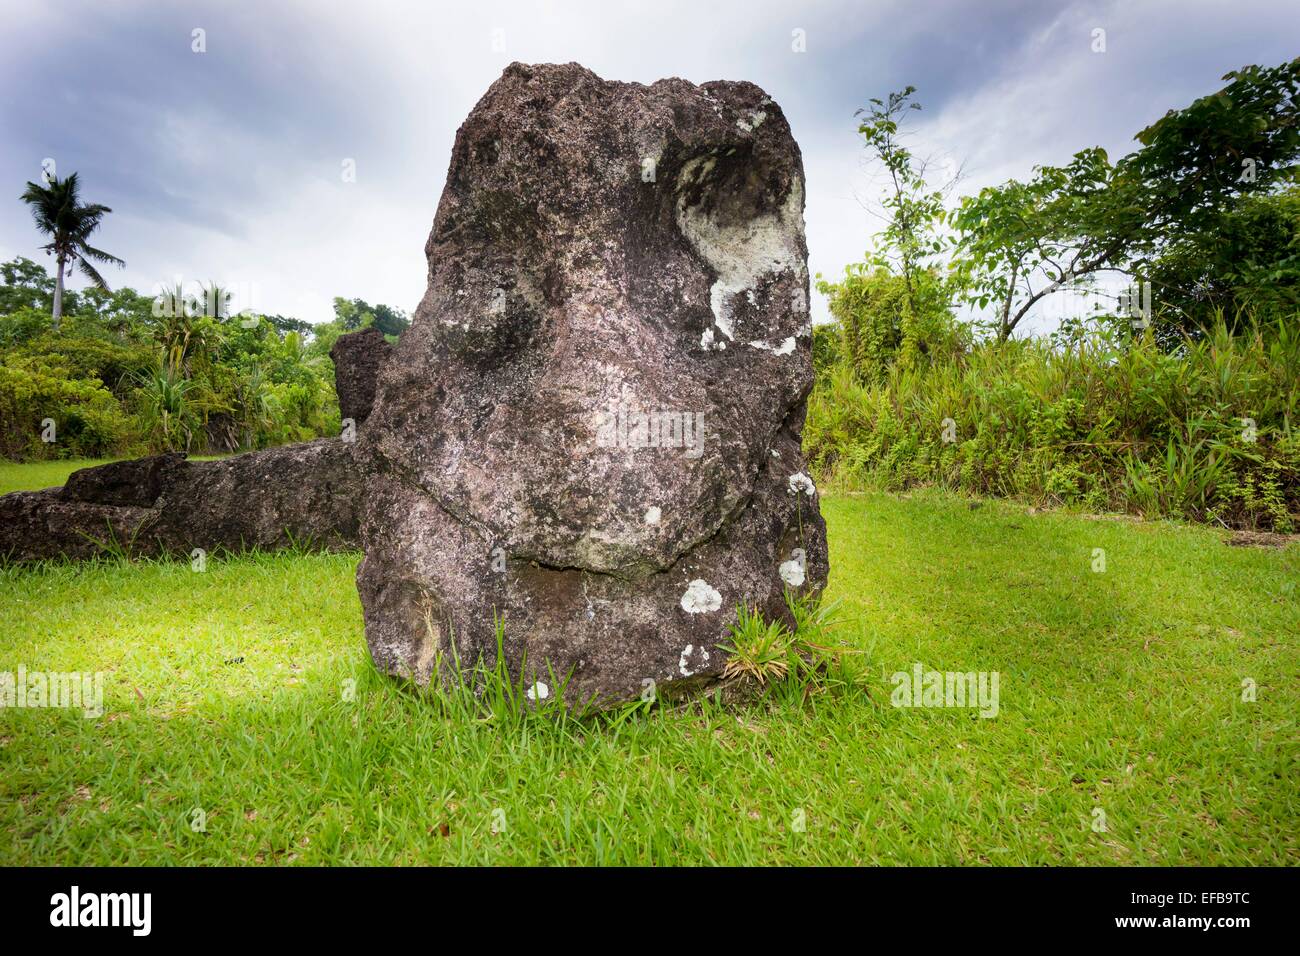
[
  {"x": 878, "y": 327},
  {"x": 87, "y": 420},
  {"x": 1206, "y": 432}
]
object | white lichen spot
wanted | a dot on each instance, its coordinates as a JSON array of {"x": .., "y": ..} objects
[
  {"x": 538, "y": 691},
  {"x": 719, "y": 298},
  {"x": 498, "y": 304},
  {"x": 785, "y": 348},
  {"x": 707, "y": 341},
  {"x": 653, "y": 514},
  {"x": 700, "y": 598},
  {"x": 755, "y": 121},
  {"x": 686, "y": 657},
  {"x": 800, "y": 482}
]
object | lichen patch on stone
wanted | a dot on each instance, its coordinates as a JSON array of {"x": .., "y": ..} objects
[
  {"x": 740, "y": 253},
  {"x": 701, "y": 598},
  {"x": 785, "y": 348},
  {"x": 685, "y": 659}
]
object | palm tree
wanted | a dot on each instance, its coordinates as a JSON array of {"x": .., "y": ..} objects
[{"x": 58, "y": 212}]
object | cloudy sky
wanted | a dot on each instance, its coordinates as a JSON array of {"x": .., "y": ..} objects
[{"x": 227, "y": 164}]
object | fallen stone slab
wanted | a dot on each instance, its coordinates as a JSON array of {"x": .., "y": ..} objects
[
  {"x": 305, "y": 494},
  {"x": 39, "y": 525},
  {"x": 591, "y": 430}
]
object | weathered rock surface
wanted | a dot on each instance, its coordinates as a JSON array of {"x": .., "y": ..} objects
[
  {"x": 592, "y": 428},
  {"x": 308, "y": 494},
  {"x": 358, "y": 359},
  {"x": 140, "y": 482},
  {"x": 35, "y": 525}
]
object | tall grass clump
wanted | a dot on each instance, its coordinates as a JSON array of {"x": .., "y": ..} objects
[{"x": 1205, "y": 431}]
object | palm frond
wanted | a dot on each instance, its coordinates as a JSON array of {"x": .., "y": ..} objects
[
  {"x": 91, "y": 273},
  {"x": 100, "y": 255}
]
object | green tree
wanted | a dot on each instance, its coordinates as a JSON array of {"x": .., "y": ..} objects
[
  {"x": 914, "y": 211},
  {"x": 60, "y": 214},
  {"x": 1248, "y": 264},
  {"x": 1021, "y": 242},
  {"x": 285, "y": 325},
  {"x": 884, "y": 321},
  {"x": 26, "y": 285},
  {"x": 355, "y": 314},
  {"x": 185, "y": 328}
]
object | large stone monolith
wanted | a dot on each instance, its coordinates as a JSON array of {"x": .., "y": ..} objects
[
  {"x": 592, "y": 429},
  {"x": 306, "y": 495}
]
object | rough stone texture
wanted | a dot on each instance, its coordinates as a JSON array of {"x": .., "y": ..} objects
[
  {"x": 358, "y": 359},
  {"x": 35, "y": 525},
  {"x": 602, "y": 250},
  {"x": 307, "y": 494},
  {"x": 139, "y": 482}
]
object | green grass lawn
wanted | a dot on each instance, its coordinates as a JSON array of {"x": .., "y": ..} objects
[{"x": 230, "y": 691}]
